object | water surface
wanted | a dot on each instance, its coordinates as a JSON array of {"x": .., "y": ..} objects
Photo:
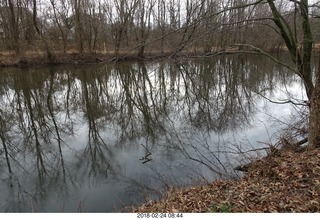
[{"x": 98, "y": 138}]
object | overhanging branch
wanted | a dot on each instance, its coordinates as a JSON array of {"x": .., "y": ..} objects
[{"x": 260, "y": 51}]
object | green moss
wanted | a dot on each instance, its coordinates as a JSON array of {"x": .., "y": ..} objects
[{"x": 223, "y": 207}]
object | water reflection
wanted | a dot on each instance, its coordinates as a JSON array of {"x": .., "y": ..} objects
[{"x": 95, "y": 138}]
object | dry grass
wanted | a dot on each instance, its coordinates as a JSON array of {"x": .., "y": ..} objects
[{"x": 39, "y": 57}]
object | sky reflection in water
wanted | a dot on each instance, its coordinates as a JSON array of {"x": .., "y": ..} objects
[{"x": 98, "y": 138}]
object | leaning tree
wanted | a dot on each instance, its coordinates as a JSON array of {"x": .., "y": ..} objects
[
  {"x": 301, "y": 54},
  {"x": 298, "y": 39}
]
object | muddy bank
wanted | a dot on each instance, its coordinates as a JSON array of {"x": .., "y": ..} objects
[{"x": 287, "y": 180}]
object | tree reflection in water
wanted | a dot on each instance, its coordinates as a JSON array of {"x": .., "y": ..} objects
[{"x": 69, "y": 131}]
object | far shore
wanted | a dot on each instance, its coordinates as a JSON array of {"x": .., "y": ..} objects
[
  {"x": 40, "y": 58},
  {"x": 37, "y": 59}
]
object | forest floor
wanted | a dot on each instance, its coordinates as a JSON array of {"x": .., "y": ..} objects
[{"x": 286, "y": 180}]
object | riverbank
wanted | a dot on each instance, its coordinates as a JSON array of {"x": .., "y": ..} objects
[
  {"x": 286, "y": 180},
  {"x": 36, "y": 59},
  {"x": 40, "y": 58}
]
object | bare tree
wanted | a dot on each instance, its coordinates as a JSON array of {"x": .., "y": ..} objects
[
  {"x": 59, "y": 16},
  {"x": 161, "y": 21},
  {"x": 50, "y": 55},
  {"x": 143, "y": 25},
  {"x": 10, "y": 19},
  {"x": 301, "y": 57},
  {"x": 77, "y": 7},
  {"x": 125, "y": 11}
]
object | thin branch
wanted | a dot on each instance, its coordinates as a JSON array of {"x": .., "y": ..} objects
[
  {"x": 260, "y": 51},
  {"x": 282, "y": 102}
]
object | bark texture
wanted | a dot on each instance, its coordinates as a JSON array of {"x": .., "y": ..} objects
[{"x": 314, "y": 118}]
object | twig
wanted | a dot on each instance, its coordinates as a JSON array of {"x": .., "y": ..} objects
[
  {"x": 305, "y": 103},
  {"x": 258, "y": 50}
]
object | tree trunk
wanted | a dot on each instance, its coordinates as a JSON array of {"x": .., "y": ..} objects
[
  {"x": 302, "y": 59},
  {"x": 141, "y": 50},
  {"x": 50, "y": 55},
  {"x": 64, "y": 40},
  {"x": 306, "y": 49},
  {"x": 78, "y": 28},
  {"x": 314, "y": 118},
  {"x": 14, "y": 27}
]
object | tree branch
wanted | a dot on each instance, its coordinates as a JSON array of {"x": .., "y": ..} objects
[{"x": 258, "y": 50}]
